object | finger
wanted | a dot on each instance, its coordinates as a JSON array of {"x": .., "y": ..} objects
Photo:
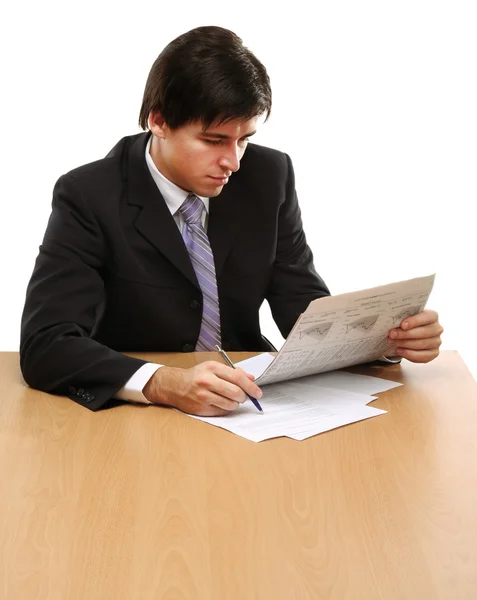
[
  {"x": 208, "y": 397},
  {"x": 222, "y": 402},
  {"x": 247, "y": 385},
  {"x": 425, "y": 317},
  {"x": 205, "y": 410},
  {"x": 419, "y": 356},
  {"x": 221, "y": 383},
  {"x": 228, "y": 390},
  {"x": 239, "y": 378},
  {"x": 424, "y": 331},
  {"x": 196, "y": 407},
  {"x": 207, "y": 382},
  {"x": 422, "y": 344}
]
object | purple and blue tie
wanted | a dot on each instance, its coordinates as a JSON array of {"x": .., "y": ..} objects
[{"x": 202, "y": 259}]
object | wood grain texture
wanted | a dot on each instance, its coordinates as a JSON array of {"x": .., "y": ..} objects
[{"x": 142, "y": 502}]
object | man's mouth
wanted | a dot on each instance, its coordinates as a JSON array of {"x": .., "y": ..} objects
[{"x": 221, "y": 180}]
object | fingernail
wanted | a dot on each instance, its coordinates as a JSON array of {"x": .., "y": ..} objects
[
  {"x": 260, "y": 394},
  {"x": 405, "y": 325},
  {"x": 393, "y": 333}
]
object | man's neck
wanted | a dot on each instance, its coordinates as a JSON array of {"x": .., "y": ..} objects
[{"x": 155, "y": 153}]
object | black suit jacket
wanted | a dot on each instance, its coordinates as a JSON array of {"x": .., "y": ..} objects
[{"x": 113, "y": 273}]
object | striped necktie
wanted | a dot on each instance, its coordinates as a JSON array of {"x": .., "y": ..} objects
[{"x": 202, "y": 259}]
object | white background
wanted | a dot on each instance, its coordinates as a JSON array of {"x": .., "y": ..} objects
[{"x": 376, "y": 103}]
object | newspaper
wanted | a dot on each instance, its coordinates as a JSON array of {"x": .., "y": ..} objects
[{"x": 349, "y": 329}]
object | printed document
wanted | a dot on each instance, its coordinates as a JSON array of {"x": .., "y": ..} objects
[
  {"x": 348, "y": 329},
  {"x": 304, "y": 393}
]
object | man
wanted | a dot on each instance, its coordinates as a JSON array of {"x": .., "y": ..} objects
[{"x": 165, "y": 245}]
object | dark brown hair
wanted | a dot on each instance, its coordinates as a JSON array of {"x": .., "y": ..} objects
[{"x": 206, "y": 75}]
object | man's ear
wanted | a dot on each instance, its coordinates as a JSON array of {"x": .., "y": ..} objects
[{"x": 157, "y": 124}]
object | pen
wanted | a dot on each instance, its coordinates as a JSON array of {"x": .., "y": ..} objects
[{"x": 231, "y": 364}]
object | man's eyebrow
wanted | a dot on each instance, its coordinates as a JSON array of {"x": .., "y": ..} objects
[{"x": 223, "y": 136}]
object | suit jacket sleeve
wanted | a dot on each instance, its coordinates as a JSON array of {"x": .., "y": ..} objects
[
  {"x": 294, "y": 282},
  {"x": 63, "y": 303}
]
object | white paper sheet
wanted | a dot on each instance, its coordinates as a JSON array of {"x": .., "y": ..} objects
[
  {"x": 257, "y": 364},
  {"x": 339, "y": 380},
  {"x": 295, "y": 412}
]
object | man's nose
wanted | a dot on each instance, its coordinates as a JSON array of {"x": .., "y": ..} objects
[{"x": 231, "y": 159}]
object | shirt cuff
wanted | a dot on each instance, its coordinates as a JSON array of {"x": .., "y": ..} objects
[
  {"x": 391, "y": 359},
  {"x": 132, "y": 390}
]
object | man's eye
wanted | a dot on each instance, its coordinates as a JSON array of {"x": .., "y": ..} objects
[{"x": 218, "y": 142}]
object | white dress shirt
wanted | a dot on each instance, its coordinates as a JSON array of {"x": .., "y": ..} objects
[{"x": 174, "y": 197}]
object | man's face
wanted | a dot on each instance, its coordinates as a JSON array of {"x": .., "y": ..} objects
[{"x": 196, "y": 159}]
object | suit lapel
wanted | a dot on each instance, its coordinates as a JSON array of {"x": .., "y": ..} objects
[
  {"x": 226, "y": 215},
  {"x": 155, "y": 221}
]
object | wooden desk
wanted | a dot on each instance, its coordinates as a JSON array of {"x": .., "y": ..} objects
[{"x": 145, "y": 503}]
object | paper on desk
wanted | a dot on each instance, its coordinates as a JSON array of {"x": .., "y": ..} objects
[
  {"x": 340, "y": 380},
  {"x": 303, "y": 407},
  {"x": 333, "y": 333},
  {"x": 348, "y": 329},
  {"x": 294, "y": 412},
  {"x": 354, "y": 382},
  {"x": 256, "y": 365}
]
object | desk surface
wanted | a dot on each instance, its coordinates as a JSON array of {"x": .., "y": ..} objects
[{"x": 141, "y": 502}]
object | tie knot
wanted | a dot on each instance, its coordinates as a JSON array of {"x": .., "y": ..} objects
[{"x": 191, "y": 210}]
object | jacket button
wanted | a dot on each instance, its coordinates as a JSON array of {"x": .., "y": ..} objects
[
  {"x": 187, "y": 348},
  {"x": 80, "y": 392},
  {"x": 194, "y": 304},
  {"x": 72, "y": 390},
  {"x": 89, "y": 398}
]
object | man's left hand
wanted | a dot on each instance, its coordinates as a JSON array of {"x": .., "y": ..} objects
[{"x": 418, "y": 338}]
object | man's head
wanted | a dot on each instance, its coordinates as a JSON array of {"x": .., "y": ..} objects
[{"x": 202, "y": 101}]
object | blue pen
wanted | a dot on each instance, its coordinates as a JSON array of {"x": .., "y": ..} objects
[{"x": 231, "y": 364}]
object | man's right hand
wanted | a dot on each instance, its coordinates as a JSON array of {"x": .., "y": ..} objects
[{"x": 208, "y": 390}]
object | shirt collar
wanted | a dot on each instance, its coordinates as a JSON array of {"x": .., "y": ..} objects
[{"x": 173, "y": 195}]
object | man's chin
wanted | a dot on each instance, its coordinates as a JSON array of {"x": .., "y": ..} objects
[
  {"x": 212, "y": 191},
  {"x": 218, "y": 191}
]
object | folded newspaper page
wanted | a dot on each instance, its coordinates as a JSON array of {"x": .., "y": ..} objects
[{"x": 348, "y": 329}]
